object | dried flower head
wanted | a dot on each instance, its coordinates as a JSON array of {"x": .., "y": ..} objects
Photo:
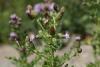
[
  {"x": 31, "y": 36},
  {"x": 28, "y": 9},
  {"x": 52, "y": 30}
]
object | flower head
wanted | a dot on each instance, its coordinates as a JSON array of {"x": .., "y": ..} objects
[
  {"x": 28, "y": 9},
  {"x": 38, "y": 8},
  {"x": 31, "y": 36},
  {"x": 77, "y": 37},
  {"x": 67, "y": 35},
  {"x": 13, "y": 17},
  {"x": 13, "y": 36},
  {"x": 15, "y": 20}
]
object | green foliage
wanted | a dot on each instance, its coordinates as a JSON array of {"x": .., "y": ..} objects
[
  {"x": 96, "y": 64},
  {"x": 47, "y": 54},
  {"x": 81, "y": 16}
]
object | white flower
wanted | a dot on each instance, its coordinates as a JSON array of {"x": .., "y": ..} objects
[
  {"x": 78, "y": 37},
  {"x": 67, "y": 35}
]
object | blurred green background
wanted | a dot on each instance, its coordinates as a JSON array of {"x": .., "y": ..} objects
[{"x": 80, "y": 15}]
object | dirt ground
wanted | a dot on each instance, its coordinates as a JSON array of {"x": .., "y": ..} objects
[{"x": 86, "y": 57}]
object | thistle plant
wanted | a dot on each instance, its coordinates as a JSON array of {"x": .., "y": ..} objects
[
  {"x": 81, "y": 16},
  {"x": 47, "y": 33},
  {"x": 47, "y": 21}
]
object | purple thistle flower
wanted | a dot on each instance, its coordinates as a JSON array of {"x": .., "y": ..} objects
[
  {"x": 15, "y": 20},
  {"x": 51, "y": 7},
  {"x": 14, "y": 17},
  {"x": 38, "y": 8},
  {"x": 42, "y": 7},
  {"x": 13, "y": 36}
]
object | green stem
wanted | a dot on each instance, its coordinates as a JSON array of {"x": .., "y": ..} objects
[
  {"x": 54, "y": 21},
  {"x": 41, "y": 25}
]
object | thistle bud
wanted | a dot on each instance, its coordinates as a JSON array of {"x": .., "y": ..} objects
[
  {"x": 52, "y": 30},
  {"x": 28, "y": 10},
  {"x": 23, "y": 50},
  {"x": 29, "y": 7},
  {"x": 31, "y": 12},
  {"x": 60, "y": 13},
  {"x": 31, "y": 36}
]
